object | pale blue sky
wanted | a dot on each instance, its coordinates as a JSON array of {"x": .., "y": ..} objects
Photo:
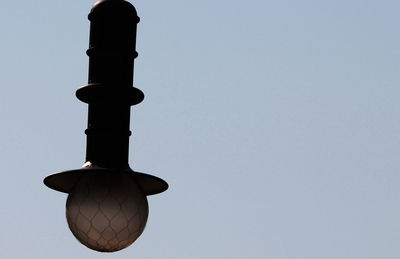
[{"x": 276, "y": 124}]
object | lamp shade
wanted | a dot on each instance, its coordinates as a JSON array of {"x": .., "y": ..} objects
[{"x": 107, "y": 211}]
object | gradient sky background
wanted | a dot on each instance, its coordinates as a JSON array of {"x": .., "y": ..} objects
[{"x": 276, "y": 124}]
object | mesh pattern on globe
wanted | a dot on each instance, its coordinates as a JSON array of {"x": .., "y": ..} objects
[{"x": 107, "y": 212}]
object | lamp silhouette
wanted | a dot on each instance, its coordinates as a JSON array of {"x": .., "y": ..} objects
[{"x": 107, "y": 206}]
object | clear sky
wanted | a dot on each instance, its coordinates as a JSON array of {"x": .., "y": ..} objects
[{"x": 276, "y": 124}]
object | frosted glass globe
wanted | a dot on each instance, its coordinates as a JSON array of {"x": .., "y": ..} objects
[{"x": 107, "y": 211}]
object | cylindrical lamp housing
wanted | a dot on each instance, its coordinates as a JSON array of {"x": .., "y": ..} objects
[{"x": 110, "y": 91}]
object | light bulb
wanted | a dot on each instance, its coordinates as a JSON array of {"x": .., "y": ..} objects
[{"x": 107, "y": 211}]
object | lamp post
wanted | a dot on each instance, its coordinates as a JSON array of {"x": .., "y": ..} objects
[{"x": 107, "y": 207}]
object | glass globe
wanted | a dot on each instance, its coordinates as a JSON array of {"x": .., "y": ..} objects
[{"x": 107, "y": 211}]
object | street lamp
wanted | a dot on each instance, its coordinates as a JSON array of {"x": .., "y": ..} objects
[{"x": 107, "y": 207}]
